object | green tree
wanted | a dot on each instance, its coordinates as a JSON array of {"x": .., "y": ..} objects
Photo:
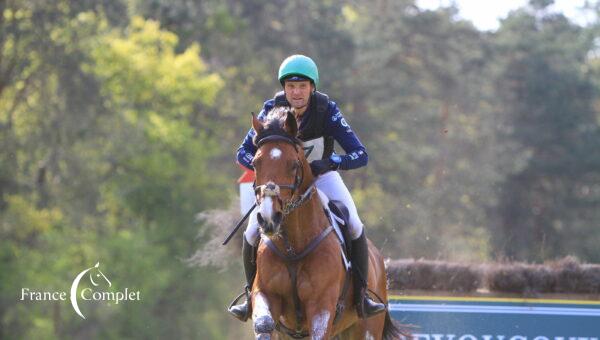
[
  {"x": 549, "y": 125},
  {"x": 418, "y": 90},
  {"x": 112, "y": 162}
]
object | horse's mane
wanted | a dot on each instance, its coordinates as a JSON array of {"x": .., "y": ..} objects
[{"x": 274, "y": 124}]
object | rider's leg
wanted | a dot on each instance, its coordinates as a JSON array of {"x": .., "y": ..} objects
[
  {"x": 360, "y": 263},
  {"x": 332, "y": 185},
  {"x": 251, "y": 236},
  {"x": 250, "y": 239}
]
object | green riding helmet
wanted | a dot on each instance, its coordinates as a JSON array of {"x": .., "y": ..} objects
[{"x": 300, "y": 65}]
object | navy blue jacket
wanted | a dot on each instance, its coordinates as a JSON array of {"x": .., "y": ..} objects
[{"x": 336, "y": 127}]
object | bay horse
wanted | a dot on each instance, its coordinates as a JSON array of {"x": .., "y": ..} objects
[{"x": 300, "y": 273}]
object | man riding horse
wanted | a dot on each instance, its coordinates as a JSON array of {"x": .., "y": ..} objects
[{"x": 320, "y": 124}]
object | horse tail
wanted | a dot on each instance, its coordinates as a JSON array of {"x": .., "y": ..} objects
[{"x": 394, "y": 330}]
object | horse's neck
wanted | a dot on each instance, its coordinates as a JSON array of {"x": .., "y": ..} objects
[{"x": 305, "y": 223}]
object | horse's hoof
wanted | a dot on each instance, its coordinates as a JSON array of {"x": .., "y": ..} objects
[{"x": 264, "y": 324}]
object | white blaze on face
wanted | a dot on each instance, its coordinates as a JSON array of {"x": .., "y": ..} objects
[
  {"x": 319, "y": 325},
  {"x": 275, "y": 153},
  {"x": 266, "y": 209}
]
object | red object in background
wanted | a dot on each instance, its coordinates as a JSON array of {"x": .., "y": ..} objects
[
  {"x": 247, "y": 176},
  {"x": 247, "y": 198}
]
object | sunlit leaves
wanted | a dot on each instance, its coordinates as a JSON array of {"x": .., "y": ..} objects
[{"x": 142, "y": 70}]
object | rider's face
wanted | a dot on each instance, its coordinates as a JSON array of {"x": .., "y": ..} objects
[{"x": 298, "y": 93}]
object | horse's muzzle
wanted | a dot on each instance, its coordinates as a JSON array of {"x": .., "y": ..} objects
[{"x": 271, "y": 227}]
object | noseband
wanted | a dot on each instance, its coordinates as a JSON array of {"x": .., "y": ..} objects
[{"x": 273, "y": 189}]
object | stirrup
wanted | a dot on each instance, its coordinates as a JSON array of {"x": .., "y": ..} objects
[
  {"x": 361, "y": 308},
  {"x": 377, "y": 307},
  {"x": 233, "y": 303}
]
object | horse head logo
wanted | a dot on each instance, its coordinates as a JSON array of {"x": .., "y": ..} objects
[
  {"x": 98, "y": 275},
  {"x": 95, "y": 275}
]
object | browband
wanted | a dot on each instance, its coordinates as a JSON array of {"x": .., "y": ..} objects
[{"x": 279, "y": 138}]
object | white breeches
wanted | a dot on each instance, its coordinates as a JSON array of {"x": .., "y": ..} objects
[{"x": 330, "y": 184}]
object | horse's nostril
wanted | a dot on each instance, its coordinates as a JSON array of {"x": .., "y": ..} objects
[
  {"x": 277, "y": 217},
  {"x": 268, "y": 228},
  {"x": 260, "y": 219}
]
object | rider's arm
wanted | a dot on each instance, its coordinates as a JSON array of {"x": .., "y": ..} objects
[
  {"x": 246, "y": 151},
  {"x": 337, "y": 127}
]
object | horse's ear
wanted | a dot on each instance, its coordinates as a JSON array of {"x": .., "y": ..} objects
[
  {"x": 291, "y": 126},
  {"x": 256, "y": 124}
]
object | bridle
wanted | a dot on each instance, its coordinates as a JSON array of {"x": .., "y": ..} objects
[{"x": 271, "y": 189}]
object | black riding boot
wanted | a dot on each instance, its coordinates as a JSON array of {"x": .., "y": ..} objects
[
  {"x": 365, "y": 307},
  {"x": 242, "y": 311}
]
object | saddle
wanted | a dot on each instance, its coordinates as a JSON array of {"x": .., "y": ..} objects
[{"x": 339, "y": 216}]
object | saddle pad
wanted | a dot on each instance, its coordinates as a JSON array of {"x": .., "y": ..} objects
[{"x": 337, "y": 223}]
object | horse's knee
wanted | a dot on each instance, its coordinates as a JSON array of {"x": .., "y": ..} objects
[{"x": 264, "y": 324}]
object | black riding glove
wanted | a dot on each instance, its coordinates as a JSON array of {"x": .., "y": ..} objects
[{"x": 322, "y": 166}]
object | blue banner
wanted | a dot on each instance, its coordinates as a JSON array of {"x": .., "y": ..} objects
[{"x": 476, "y": 318}]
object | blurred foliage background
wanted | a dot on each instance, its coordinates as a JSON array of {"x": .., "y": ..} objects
[{"x": 119, "y": 121}]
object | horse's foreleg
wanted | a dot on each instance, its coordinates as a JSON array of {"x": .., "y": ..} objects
[
  {"x": 264, "y": 325},
  {"x": 320, "y": 315}
]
